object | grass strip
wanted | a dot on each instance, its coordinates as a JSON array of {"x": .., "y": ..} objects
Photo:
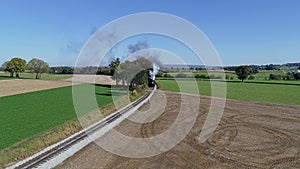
[{"x": 274, "y": 93}]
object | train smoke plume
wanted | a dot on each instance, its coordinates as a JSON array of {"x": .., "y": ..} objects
[{"x": 154, "y": 71}]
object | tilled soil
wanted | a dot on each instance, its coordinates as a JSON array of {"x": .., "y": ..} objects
[
  {"x": 18, "y": 86},
  {"x": 249, "y": 135},
  {"x": 92, "y": 79}
]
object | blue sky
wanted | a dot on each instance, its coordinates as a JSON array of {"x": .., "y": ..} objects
[{"x": 242, "y": 31}]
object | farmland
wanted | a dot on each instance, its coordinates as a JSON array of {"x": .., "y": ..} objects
[
  {"x": 262, "y": 76},
  {"x": 5, "y": 78},
  {"x": 249, "y": 135},
  {"x": 46, "y": 76},
  {"x": 275, "y": 93},
  {"x": 39, "y": 113},
  {"x": 28, "y": 114},
  {"x": 150, "y": 85}
]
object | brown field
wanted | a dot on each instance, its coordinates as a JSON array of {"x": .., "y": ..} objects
[
  {"x": 92, "y": 79},
  {"x": 250, "y": 135},
  {"x": 18, "y": 86}
]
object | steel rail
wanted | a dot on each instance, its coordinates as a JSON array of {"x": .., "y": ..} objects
[{"x": 64, "y": 146}]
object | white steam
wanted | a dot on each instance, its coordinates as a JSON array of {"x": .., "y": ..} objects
[{"x": 154, "y": 71}]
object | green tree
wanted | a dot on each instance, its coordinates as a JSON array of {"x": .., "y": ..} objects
[
  {"x": 38, "y": 66},
  {"x": 275, "y": 77},
  {"x": 243, "y": 72},
  {"x": 134, "y": 73},
  {"x": 15, "y": 65},
  {"x": 126, "y": 72},
  {"x": 296, "y": 75},
  {"x": 19, "y": 65},
  {"x": 7, "y": 67},
  {"x": 114, "y": 67},
  {"x": 254, "y": 69},
  {"x": 181, "y": 75}
]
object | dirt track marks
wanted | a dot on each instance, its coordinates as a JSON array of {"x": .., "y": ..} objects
[{"x": 250, "y": 135}]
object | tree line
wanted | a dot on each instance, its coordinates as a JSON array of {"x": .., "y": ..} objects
[
  {"x": 18, "y": 65},
  {"x": 15, "y": 66},
  {"x": 288, "y": 76},
  {"x": 133, "y": 74},
  {"x": 268, "y": 67},
  {"x": 244, "y": 71}
]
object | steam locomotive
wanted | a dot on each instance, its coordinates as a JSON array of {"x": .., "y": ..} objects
[{"x": 151, "y": 82}]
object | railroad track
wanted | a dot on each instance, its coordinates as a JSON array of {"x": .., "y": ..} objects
[{"x": 42, "y": 158}]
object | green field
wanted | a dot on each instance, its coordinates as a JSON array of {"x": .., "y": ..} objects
[
  {"x": 275, "y": 93},
  {"x": 45, "y": 76},
  {"x": 261, "y": 77},
  {"x": 28, "y": 114},
  {"x": 6, "y": 78}
]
